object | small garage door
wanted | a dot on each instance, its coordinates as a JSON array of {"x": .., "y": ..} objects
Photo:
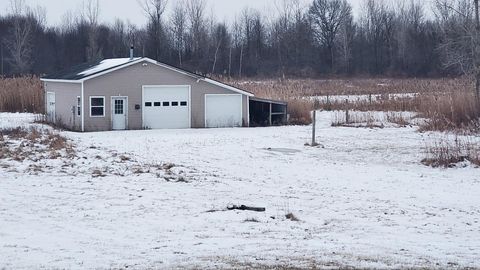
[
  {"x": 166, "y": 107},
  {"x": 223, "y": 111}
]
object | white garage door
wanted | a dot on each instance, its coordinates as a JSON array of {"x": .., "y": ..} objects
[
  {"x": 166, "y": 107},
  {"x": 223, "y": 111}
]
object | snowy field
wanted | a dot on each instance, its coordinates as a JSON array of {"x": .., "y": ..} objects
[
  {"x": 157, "y": 199},
  {"x": 361, "y": 98}
]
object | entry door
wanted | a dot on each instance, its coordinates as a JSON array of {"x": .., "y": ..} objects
[
  {"x": 119, "y": 113},
  {"x": 51, "y": 107}
]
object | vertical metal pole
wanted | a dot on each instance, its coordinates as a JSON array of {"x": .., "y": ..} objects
[
  {"x": 347, "y": 113},
  {"x": 314, "y": 123},
  {"x": 270, "y": 115}
]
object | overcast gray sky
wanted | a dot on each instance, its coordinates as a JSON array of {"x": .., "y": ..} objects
[{"x": 130, "y": 9}]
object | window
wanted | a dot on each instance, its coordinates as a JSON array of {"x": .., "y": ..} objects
[
  {"x": 166, "y": 104},
  {"x": 174, "y": 103},
  {"x": 157, "y": 104},
  {"x": 118, "y": 106},
  {"x": 183, "y": 103},
  {"x": 148, "y": 104},
  {"x": 97, "y": 106},
  {"x": 79, "y": 106}
]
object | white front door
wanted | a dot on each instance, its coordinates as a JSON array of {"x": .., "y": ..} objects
[
  {"x": 119, "y": 113},
  {"x": 51, "y": 107},
  {"x": 166, "y": 107},
  {"x": 223, "y": 111}
]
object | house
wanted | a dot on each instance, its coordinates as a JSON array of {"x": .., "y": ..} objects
[{"x": 141, "y": 93}]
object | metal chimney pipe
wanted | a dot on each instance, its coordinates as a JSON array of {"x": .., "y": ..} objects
[{"x": 131, "y": 52}]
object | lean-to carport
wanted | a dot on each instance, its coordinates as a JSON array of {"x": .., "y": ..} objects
[{"x": 266, "y": 112}]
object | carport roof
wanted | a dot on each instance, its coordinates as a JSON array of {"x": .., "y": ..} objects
[{"x": 269, "y": 101}]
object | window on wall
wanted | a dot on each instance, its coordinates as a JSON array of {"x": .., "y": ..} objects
[
  {"x": 79, "y": 106},
  {"x": 97, "y": 106}
]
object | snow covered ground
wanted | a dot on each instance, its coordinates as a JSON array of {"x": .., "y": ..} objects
[
  {"x": 362, "y": 200},
  {"x": 361, "y": 98}
]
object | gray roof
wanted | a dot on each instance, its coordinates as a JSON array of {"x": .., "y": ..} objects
[{"x": 88, "y": 69}]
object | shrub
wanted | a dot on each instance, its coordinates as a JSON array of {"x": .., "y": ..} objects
[
  {"x": 442, "y": 152},
  {"x": 300, "y": 112},
  {"x": 452, "y": 111}
]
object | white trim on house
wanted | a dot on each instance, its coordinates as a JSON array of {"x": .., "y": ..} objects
[
  {"x": 207, "y": 80},
  {"x": 248, "y": 111},
  {"x": 112, "y": 109},
  {"x": 189, "y": 105},
  {"x": 210, "y": 81},
  {"x": 83, "y": 106},
  {"x": 45, "y": 90},
  {"x": 205, "y": 102},
  {"x": 90, "y": 107},
  {"x": 60, "y": 81},
  {"x": 54, "y": 117}
]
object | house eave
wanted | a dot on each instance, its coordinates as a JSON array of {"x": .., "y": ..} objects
[
  {"x": 60, "y": 81},
  {"x": 226, "y": 86}
]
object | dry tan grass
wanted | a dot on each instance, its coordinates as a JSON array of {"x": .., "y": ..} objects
[
  {"x": 357, "y": 86},
  {"x": 24, "y": 94},
  {"x": 447, "y": 103},
  {"x": 451, "y": 111},
  {"x": 443, "y": 152}
]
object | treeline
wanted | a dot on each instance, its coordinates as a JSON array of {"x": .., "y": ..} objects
[{"x": 324, "y": 38}]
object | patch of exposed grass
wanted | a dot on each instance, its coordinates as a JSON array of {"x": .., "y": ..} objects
[
  {"x": 292, "y": 217},
  {"x": 251, "y": 220}
]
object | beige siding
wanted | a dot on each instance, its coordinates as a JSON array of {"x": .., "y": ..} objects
[
  {"x": 65, "y": 99},
  {"x": 129, "y": 81}
]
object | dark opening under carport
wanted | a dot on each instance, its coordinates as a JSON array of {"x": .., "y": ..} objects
[{"x": 266, "y": 112}]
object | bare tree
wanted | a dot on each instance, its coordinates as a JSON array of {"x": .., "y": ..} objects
[
  {"x": 410, "y": 26},
  {"x": 280, "y": 31},
  {"x": 39, "y": 13},
  {"x": 118, "y": 38},
  {"x": 460, "y": 26},
  {"x": 154, "y": 10},
  {"x": 327, "y": 17},
  {"x": 378, "y": 25},
  {"x": 18, "y": 42},
  {"x": 346, "y": 38},
  {"x": 238, "y": 43},
  {"x": 91, "y": 13},
  {"x": 178, "y": 23},
  {"x": 196, "y": 17},
  {"x": 476, "y": 54}
]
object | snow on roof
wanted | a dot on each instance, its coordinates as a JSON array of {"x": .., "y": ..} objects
[
  {"x": 85, "y": 70},
  {"x": 105, "y": 65}
]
